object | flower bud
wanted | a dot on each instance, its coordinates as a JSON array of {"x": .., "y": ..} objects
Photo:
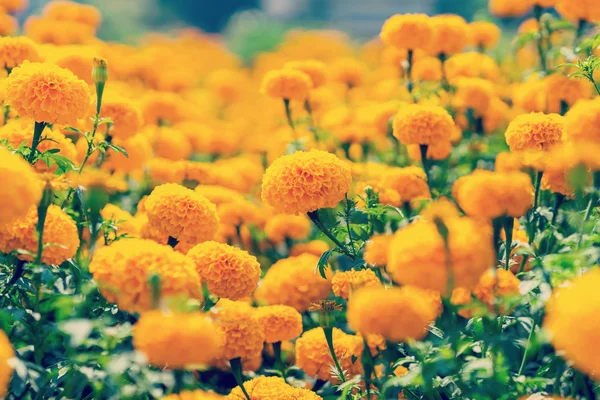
[{"x": 100, "y": 70}]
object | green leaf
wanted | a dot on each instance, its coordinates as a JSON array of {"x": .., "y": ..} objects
[
  {"x": 323, "y": 261},
  {"x": 118, "y": 149},
  {"x": 73, "y": 130}
]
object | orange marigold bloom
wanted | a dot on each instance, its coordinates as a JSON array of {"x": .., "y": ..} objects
[
  {"x": 124, "y": 222},
  {"x": 535, "y": 131},
  {"x": 561, "y": 89},
  {"x": 6, "y": 370},
  {"x": 47, "y": 93},
  {"x": 348, "y": 71},
  {"x": 242, "y": 332},
  {"x": 182, "y": 213},
  {"x": 161, "y": 170},
  {"x": 25, "y": 187},
  {"x": 13, "y": 6},
  {"x": 139, "y": 152},
  {"x": 314, "y": 247},
  {"x": 8, "y": 24},
  {"x": 271, "y": 388},
  {"x": 474, "y": 93},
  {"x": 472, "y": 65},
  {"x": 427, "y": 69},
  {"x": 490, "y": 195},
  {"x": 126, "y": 117},
  {"x": 193, "y": 395},
  {"x": 409, "y": 182},
  {"x": 557, "y": 181},
  {"x": 575, "y": 10},
  {"x": 124, "y": 268},
  {"x": 450, "y": 34},
  {"x": 407, "y": 31},
  {"x": 439, "y": 151},
  {"x": 346, "y": 283},
  {"x": 315, "y": 69},
  {"x": 229, "y": 272},
  {"x": 305, "y": 181},
  {"x": 15, "y": 50},
  {"x": 376, "y": 250},
  {"x": 176, "y": 340},
  {"x": 218, "y": 195},
  {"x": 286, "y": 83},
  {"x": 582, "y": 121},
  {"x": 159, "y": 108},
  {"x": 171, "y": 144},
  {"x": 509, "y": 8},
  {"x": 484, "y": 34},
  {"x": 280, "y": 323},
  {"x": 423, "y": 124},
  {"x": 282, "y": 226},
  {"x": 60, "y": 236},
  {"x": 314, "y": 358},
  {"x": 294, "y": 282},
  {"x": 395, "y": 313},
  {"x": 576, "y": 304},
  {"x": 417, "y": 256},
  {"x": 227, "y": 84},
  {"x": 62, "y": 10}
]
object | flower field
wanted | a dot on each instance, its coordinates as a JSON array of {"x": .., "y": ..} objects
[{"x": 412, "y": 217}]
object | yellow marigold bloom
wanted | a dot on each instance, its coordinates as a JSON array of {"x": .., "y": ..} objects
[
  {"x": 484, "y": 34},
  {"x": 439, "y": 151},
  {"x": 95, "y": 178},
  {"x": 60, "y": 236},
  {"x": 242, "y": 332},
  {"x": 218, "y": 195},
  {"x": 6, "y": 371},
  {"x": 576, "y": 305},
  {"x": 472, "y": 65},
  {"x": 423, "y": 124},
  {"x": 496, "y": 116},
  {"x": 229, "y": 272},
  {"x": 417, "y": 256},
  {"x": 314, "y": 247},
  {"x": 126, "y": 117},
  {"x": 159, "y": 108},
  {"x": 395, "y": 313},
  {"x": 47, "y": 93},
  {"x": 62, "y": 10},
  {"x": 575, "y": 10},
  {"x": 8, "y": 24},
  {"x": 558, "y": 182},
  {"x": 474, "y": 93},
  {"x": 193, "y": 395},
  {"x": 176, "y": 340},
  {"x": 535, "y": 131},
  {"x": 569, "y": 155},
  {"x": 509, "y": 8},
  {"x": 124, "y": 268},
  {"x": 15, "y": 50},
  {"x": 286, "y": 83},
  {"x": 409, "y": 182},
  {"x": 239, "y": 212},
  {"x": 427, "y": 69},
  {"x": 489, "y": 194},
  {"x": 305, "y": 181},
  {"x": 376, "y": 250},
  {"x": 316, "y": 70},
  {"x": 161, "y": 170},
  {"x": 124, "y": 221},
  {"x": 314, "y": 358},
  {"x": 171, "y": 144},
  {"x": 46, "y": 30},
  {"x": 280, "y": 323},
  {"x": 293, "y": 282},
  {"x": 582, "y": 121},
  {"x": 407, "y": 31},
  {"x": 139, "y": 152},
  {"x": 271, "y": 388},
  {"x": 227, "y": 84},
  {"x": 25, "y": 187},
  {"x": 348, "y": 71},
  {"x": 182, "y": 213},
  {"x": 346, "y": 283},
  {"x": 282, "y": 226},
  {"x": 450, "y": 34},
  {"x": 13, "y": 6},
  {"x": 563, "y": 89}
]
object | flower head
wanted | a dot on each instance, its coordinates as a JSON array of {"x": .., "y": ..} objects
[
  {"x": 409, "y": 182},
  {"x": 240, "y": 328},
  {"x": 423, "y": 124},
  {"x": 47, "y": 93},
  {"x": 286, "y": 83},
  {"x": 587, "y": 10},
  {"x": 315, "y": 69},
  {"x": 25, "y": 187},
  {"x": 582, "y": 121},
  {"x": 535, "y": 131},
  {"x": 271, "y": 388},
  {"x": 376, "y": 250},
  {"x": 484, "y": 34},
  {"x": 314, "y": 247},
  {"x": 282, "y": 226},
  {"x": 450, "y": 34},
  {"x": 407, "y": 31},
  {"x": 279, "y": 322},
  {"x": 563, "y": 90},
  {"x": 15, "y": 50},
  {"x": 126, "y": 117},
  {"x": 193, "y": 395},
  {"x": 346, "y": 283},
  {"x": 6, "y": 353}
]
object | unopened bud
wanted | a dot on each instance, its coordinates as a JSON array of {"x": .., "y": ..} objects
[{"x": 100, "y": 70}]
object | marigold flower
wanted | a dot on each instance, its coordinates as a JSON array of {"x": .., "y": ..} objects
[
  {"x": 171, "y": 144},
  {"x": 161, "y": 170},
  {"x": 59, "y": 32},
  {"x": 176, "y": 340},
  {"x": 95, "y": 178},
  {"x": 509, "y": 8},
  {"x": 15, "y": 50},
  {"x": 229, "y": 272},
  {"x": 286, "y": 83},
  {"x": 472, "y": 65},
  {"x": 294, "y": 282},
  {"x": 8, "y": 24},
  {"x": 282, "y": 226},
  {"x": 193, "y": 395},
  {"x": 558, "y": 182},
  {"x": 422, "y": 124},
  {"x": 474, "y": 93},
  {"x": 13, "y": 6},
  {"x": 6, "y": 370},
  {"x": 60, "y": 236},
  {"x": 124, "y": 268},
  {"x": 62, "y": 10},
  {"x": 25, "y": 187},
  {"x": 314, "y": 247},
  {"x": 160, "y": 108},
  {"x": 218, "y": 195},
  {"x": 488, "y": 194},
  {"x": 563, "y": 90},
  {"x": 124, "y": 221},
  {"x": 227, "y": 84},
  {"x": 450, "y": 34},
  {"x": 427, "y": 69},
  {"x": 576, "y": 305},
  {"x": 305, "y": 181},
  {"x": 535, "y": 131},
  {"x": 126, "y": 117},
  {"x": 582, "y": 121},
  {"x": 376, "y": 250},
  {"x": 395, "y": 313},
  {"x": 280, "y": 323},
  {"x": 314, "y": 358},
  {"x": 348, "y": 71},
  {"x": 439, "y": 151},
  {"x": 182, "y": 213},
  {"x": 484, "y": 34},
  {"x": 348, "y": 282},
  {"x": 576, "y": 10},
  {"x": 417, "y": 256},
  {"x": 315, "y": 69},
  {"x": 139, "y": 152},
  {"x": 242, "y": 332},
  {"x": 47, "y": 93},
  {"x": 239, "y": 212},
  {"x": 409, "y": 182},
  {"x": 271, "y": 388},
  {"x": 407, "y": 31}
]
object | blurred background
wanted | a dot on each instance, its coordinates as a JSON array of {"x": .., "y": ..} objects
[{"x": 255, "y": 25}]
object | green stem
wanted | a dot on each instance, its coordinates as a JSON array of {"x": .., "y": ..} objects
[
  {"x": 329, "y": 339},
  {"x": 288, "y": 114},
  {"x": 42, "y": 212},
  {"x": 38, "y": 128},
  {"x": 538, "y": 184},
  {"x": 497, "y": 228},
  {"x": 409, "y": 81},
  {"x": 236, "y": 370},
  {"x": 279, "y": 365},
  {"x": 579, "y": 32},
  {"x": 537, "y": 12},
  {"x": 442, "y": 57},
  {"x": 526, "y": 349},
  {"x": 17, "y": 274},
  {"x": 311, "y": 121},
  {"x": 178, "y": 375},
  {"x": 558, "y": 200},
  {"x": 314, "y": 217},
  {"x": 509, "y": 223},
  {"x": 423, "y": 149}
]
